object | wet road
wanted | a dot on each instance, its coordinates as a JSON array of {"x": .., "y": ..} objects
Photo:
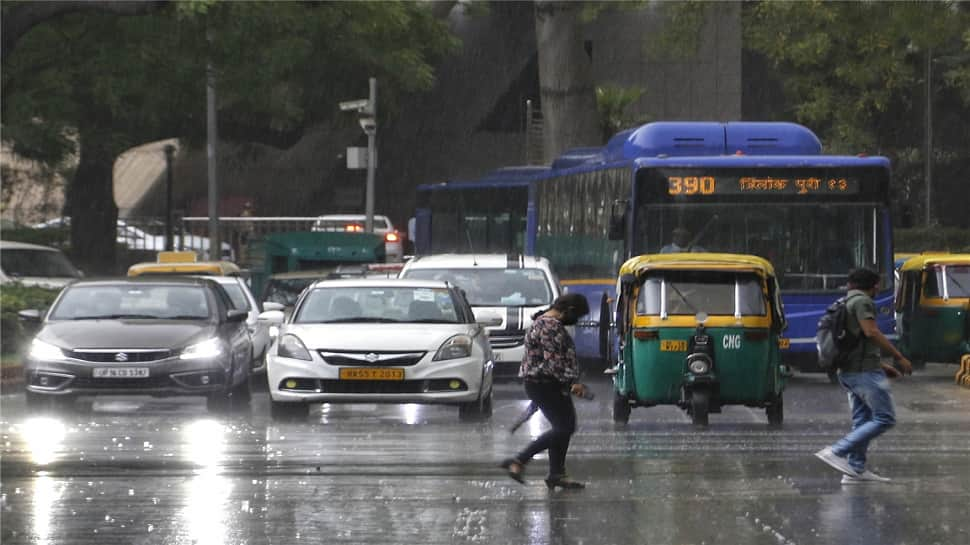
[{"x": 146, "y": 471}]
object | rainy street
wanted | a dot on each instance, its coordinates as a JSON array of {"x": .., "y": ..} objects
[{"x": 139, "y": 470}]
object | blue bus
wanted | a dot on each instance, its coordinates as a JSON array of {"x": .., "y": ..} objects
[{"x": 762, "y": 188}]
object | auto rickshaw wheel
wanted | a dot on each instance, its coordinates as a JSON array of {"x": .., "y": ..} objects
[
  {"x": 700, "y": 402},
  {"x": 776, "y": 412},
  {"x": 621, "y": 408}
]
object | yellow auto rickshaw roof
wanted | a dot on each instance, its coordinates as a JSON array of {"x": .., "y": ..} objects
[
  {"x": 727, "y": 262},
  {"x": 931, "y": 259},
  {"x": 215, "y": 268}
]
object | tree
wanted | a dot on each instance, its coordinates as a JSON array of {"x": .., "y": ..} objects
[
  {"x": 566, "y": 84},
  {"x": 102, "y": 82},
  {"x": 855, "y": 73}
]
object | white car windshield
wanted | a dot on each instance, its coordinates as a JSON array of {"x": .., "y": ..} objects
[
  {"x": 494, "y": 287},
  {"x": 378, "y": 304}
]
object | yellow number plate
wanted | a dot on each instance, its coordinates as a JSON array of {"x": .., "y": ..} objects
[
  {"x": 371, "y": 373},
  {"x": 784, "y": 344},
  {"x": 673, "y": 346}
]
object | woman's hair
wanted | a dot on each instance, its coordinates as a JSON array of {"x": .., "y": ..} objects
[{"x": 571, "y": 301}]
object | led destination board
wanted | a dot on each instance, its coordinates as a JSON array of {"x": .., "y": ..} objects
[{"x": 760, "y": 184}]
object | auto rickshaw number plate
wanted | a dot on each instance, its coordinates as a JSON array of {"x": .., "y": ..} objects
[
  {"x": 673, "y": 346},
  {"x": 371, "y": 373}
]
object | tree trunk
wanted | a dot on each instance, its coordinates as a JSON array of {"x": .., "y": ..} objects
[
  {"x": 568, "y": 94},
  {"x": 91, "y": 205}
]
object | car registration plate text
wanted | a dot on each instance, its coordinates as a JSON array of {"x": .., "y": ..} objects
[
  {"x": 371, "y": 373},
  {"x": 673, "y": 346},
  {"x": 120, "y": 372}
]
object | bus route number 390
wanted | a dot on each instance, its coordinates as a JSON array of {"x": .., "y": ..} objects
[{"x": 690, "y": 185}]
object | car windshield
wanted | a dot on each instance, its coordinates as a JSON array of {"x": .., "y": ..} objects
[
  {"x": 957, "y": 281},
  {"x": 690, "y": 292},
  {"x": 494, "y": 287},
  {"x": 31, "y": 262},
  {"x": 286, "y": 291},
  {"x": 239, "y": 299},
  {"x": 378, "y": 304},
  {"x": 106, "y": 301}
]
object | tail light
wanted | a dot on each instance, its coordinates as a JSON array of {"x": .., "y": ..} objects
[
  {"x": 353, "y": 228},
  {"x": 392, "y": 237}
]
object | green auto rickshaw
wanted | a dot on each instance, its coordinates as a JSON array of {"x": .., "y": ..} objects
[
  {"x": 932, "y": 302},
  {"x": 699, "y": 331}
]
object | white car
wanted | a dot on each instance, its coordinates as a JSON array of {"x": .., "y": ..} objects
[
  {"x": 393, "y": 245},
  {"x": 513, "y": 286},
  {"x": 380, "y": 341},
  {"x": 135, "y": 238},
  {"x": 35, "y": 265},
  {"x": 242, "y": 299}
]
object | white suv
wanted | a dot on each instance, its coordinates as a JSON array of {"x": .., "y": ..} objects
[
  {"x": 513, "y": 286},
  {"x": 393, "y": 246}
]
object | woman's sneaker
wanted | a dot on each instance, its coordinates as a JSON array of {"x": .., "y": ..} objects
[
  {"x": 838, "y": 462},
  {"x": 865, "y": 477}
]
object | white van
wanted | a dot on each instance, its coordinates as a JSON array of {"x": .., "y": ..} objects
[
  {"x": 513, "y": 286},
  {"x": 35, "y": 265}
]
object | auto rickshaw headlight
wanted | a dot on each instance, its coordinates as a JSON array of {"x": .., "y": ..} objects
[{"x": 698, "y": 364}]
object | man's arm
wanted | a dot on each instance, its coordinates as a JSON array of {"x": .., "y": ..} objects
[{"x": 871, "y": 331}]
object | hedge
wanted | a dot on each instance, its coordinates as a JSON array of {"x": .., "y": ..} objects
[{"x": 13, "y": 299}]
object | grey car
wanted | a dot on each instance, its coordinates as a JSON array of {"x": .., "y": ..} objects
[{"x": 156, "y": 336}]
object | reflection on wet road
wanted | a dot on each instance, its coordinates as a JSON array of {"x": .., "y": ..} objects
[{"x": 142, "y": 470}]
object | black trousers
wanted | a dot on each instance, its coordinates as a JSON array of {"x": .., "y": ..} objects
[{"x": 556, "y": 404}]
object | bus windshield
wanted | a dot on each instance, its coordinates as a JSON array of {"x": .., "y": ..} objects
[{"x": 811, "y": 246}]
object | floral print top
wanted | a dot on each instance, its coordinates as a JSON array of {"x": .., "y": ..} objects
[{"x": 550, "y": 354}]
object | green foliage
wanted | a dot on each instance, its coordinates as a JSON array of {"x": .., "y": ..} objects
[
  {"x": 947, "y": 239},
  {"x": 55, "y": 236},
  {"x": 612, "y": 102},
  {"x": 681, "y": 36},
  {"x": 13, "y": 299},
  {"x": 851, "y": 67}
]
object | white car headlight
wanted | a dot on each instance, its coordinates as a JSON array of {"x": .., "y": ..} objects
[
  {"x": 209, "y": 348},
  {"x": 459, "y": 346},
  {"x": 39, "y": 350},
  {"x": 291, "y": 347}
]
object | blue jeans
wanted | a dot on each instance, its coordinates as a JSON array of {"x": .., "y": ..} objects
[{"x": 872, "y": 414}]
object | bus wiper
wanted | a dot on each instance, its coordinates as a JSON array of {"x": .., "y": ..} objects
[{"x": 682, "y": 297}]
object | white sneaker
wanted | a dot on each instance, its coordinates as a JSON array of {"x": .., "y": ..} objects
[
  {"x": 865, "y": 477},
  {"x": 838, "y": 462}
]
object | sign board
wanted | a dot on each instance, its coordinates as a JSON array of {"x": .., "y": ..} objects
[{"x": 357, "y": 158}]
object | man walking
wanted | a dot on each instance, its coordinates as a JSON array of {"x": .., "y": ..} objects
[{"x": 866, "y": 379}]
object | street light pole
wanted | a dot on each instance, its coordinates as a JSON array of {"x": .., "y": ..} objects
[
  {"x": 169, "y": 153},
  {"x": 371, "y": 131},
  {"x": 928, "y": 163}
]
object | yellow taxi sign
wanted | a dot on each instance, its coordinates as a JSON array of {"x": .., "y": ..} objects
[{"x": 177, "y": 257}]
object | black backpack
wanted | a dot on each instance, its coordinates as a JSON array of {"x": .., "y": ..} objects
[{"x": 832, "y": 338}]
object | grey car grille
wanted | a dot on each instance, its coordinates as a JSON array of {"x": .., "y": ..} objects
[
  {"x": 379, "y": 359},
  {"x": 120, "y": 355}
]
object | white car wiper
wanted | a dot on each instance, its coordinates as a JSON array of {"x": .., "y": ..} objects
[{"x": 358, "y": 319}]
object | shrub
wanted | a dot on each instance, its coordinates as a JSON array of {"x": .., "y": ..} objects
[{"x": 13, "y": 299}]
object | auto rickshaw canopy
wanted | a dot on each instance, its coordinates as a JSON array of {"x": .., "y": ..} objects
[
  {"x": 934, "y": 259},
  {"x": 639, "y": 266}
]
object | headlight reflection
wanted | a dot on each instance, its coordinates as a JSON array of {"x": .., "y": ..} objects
[
  {"x": 207, "y": 493},
  {"x": 205, "y": 444},
  {"x": 46, "y": 495},
  {"x": 43, "y": 437}
]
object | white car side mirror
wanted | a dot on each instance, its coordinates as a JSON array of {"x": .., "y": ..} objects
[
  {"x": 488, "y": 319},
  {"x": 273, "y": 317},
  {"x": 270, "y": 305}
]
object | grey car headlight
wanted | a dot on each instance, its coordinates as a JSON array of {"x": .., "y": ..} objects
[
  {"x": 459, "y": 346},
  {"x": 291, "y": 347},
  {"x": 39, "y": 350},
  {"x": 209, "y": 348}
]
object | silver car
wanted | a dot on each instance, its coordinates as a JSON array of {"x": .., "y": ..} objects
[{"x": 380, "y": 340}]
